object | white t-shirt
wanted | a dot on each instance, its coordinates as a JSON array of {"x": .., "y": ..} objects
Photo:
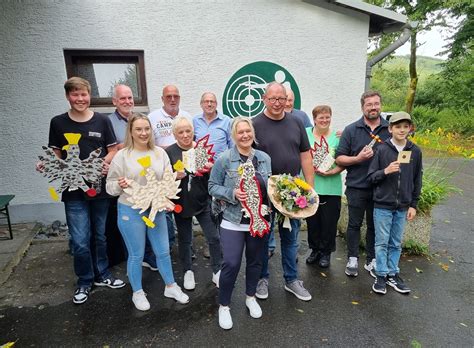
[{"x": 162, "y": 123}]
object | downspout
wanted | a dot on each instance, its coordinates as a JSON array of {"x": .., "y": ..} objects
[{"x": 407, "y": 28}]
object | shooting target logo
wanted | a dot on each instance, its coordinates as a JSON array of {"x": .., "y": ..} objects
[{"x": 243, "y": 94}]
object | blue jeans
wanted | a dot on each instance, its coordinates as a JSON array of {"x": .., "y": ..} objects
[
  {"x": 271, "y": 236},
  {"x": 134, "y": 233},
  {"x": 170, "y": 227},
  {"x": 86, "y": 222},
  {"x": 289, "y": 250},
  {"x": 389, "y": 225}
]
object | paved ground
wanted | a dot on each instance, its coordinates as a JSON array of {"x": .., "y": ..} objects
[{"x": 36, "y": 307}]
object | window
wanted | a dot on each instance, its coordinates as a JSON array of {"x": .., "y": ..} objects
[{"x": 106, "y": 68}]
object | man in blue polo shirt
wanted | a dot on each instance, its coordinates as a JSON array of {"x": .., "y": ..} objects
[
  {"x": 355, "y": 155},
  {"x": 303, "y": 116},
  {"x": 214, "y": 123}
]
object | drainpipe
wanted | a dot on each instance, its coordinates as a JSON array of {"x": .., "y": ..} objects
[{"x": 407, "y": 28}]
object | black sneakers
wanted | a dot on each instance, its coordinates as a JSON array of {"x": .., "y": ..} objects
[
  {"x": 81, "y": 294},
  {"x": 397, "y": 283},
  {"x": 380, "y": 285},
  {"x": 313, "y": 257}
]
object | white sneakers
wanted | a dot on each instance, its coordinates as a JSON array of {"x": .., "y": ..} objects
[
  {"x": 189, "y": 283},
  {"x": 174, "y": 291},
  {"x": 225, "y": 320},
  {"x": 140, "y": 301},
  {"x": 254, "y": 307},
  {"x": 215, "y": 278}
]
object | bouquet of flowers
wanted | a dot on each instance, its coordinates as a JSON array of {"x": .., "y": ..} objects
[{"x": 292, "y": 197}]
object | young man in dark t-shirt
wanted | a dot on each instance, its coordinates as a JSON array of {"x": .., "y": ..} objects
[
  {"x": 86, "y": 216},
  {"x": 284, "y": 139}
]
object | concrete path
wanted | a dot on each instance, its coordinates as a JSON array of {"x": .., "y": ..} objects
[{"x": 36, "y": 307}]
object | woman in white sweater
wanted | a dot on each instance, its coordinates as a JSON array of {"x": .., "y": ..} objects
[{"x": 139, "y": 143}]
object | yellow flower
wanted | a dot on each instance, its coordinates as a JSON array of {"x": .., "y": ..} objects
[{"x": 302, "y": 184}]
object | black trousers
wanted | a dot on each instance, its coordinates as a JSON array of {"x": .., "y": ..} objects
[
  {"x": 360, "y": 203},
  {"x": 322, "y": 226}
]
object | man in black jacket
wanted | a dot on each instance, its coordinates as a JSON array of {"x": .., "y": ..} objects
[{"x": 357, "y": 146}]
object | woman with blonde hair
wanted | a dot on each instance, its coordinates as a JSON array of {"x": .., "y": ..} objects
[
  {"x": 194, "y": 200},
  {"x": 138, "y": 144},
  {"x": 235, "y": 227}
]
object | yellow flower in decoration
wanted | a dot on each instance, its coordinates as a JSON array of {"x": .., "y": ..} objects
[
  {"x": 302, "y": 184},
  {"x": 72, "y": 139},
  {"x": 145, "y": 162},
  {"x": 148, "y": 222},
  {"x": 240, "y": 170},
  {"x": 52, "y": 192},
  {"x": 178, "y": 166}
]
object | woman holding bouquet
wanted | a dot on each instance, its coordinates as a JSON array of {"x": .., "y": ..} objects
[
  {"x": 224, "y": 185},
  {"x": 322, "y": 226}
]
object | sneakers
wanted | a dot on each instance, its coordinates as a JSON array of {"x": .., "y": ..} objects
[
  {"x": 189, "y": 283},
  {"x": 369, "y": 265},
  {"x": 380, "y": 286},
  {"x": 140, "y": 301},
  {"x": 151, "y": 264},
  {"x": 174, "y": 291},
  {"x": 254, "y": 307},
  {"x": 111, "y": 282},
  {"x": 81, "y": 294},
  {"x": 215, "y": 278},
  {"x": 225, "y": 320},
  {"x": 262, "y": 289},
  {"x": 352, "y": 267},
  {"x": 325, "y": 261},
  {"x": 296, "y": 288},
  {"x": 313, "y": 257},
  {"x": 397, "y": 283}
]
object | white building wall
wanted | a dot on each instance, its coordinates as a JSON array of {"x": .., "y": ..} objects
[{"x": 196, "y": 45}]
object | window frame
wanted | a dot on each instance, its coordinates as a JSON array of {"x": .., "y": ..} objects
[{"x": 72, "y": 56}]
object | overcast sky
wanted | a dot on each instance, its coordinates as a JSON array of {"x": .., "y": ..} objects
[{"x": 432, "y": 43}]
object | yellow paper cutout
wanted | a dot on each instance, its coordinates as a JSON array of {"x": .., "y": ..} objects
[
  {"x": 148, "y": 222},
  {"x": 145, "y": 162},
  {"x": 178, "y": 166},
  {"x": 72, "y": 139},
  {"x": 53, "y": 193}
]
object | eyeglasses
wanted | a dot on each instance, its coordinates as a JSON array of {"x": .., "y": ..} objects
[
  {"x": 274, "y": 100},
  {"x": 372, "y": 105},
  {"x": 172, "y": 96},
  {"x": 209, "y": 102}
]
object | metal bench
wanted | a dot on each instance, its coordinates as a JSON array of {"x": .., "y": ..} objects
[{"x": 4, "y": 213}]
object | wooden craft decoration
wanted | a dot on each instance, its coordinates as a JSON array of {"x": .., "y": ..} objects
[
  {"x": 195, "y": 159},
  {"x": 156, "y": 194},
  {"x": 72, "y": 171},
  {"x": 375, "y": 139},
  {"x": 322, "y": 159},
  {"x": 253, "y": 207}
]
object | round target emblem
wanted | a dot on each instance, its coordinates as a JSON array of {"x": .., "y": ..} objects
[{"x": 243, "y": 94}]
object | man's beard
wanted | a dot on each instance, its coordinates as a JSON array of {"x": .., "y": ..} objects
[{"x": 370, "y": 116}]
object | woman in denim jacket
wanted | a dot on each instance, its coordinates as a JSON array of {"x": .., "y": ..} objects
[{"x": 234, "y": 229}]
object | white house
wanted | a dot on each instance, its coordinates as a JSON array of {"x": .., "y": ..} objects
[{"x": 197, "y": 45}]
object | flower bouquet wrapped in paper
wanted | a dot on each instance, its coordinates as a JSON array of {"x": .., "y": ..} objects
[{"x": 292, "y": 197}]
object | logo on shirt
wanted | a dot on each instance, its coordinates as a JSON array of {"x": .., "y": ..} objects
[
  {"x": 95, "y": 134},
  {"x": 244, "y": 91}
]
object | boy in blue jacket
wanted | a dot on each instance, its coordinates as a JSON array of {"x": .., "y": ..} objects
[{"x": 396, "y": 173}]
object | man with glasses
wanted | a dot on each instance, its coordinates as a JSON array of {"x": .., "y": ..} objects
[
  {"x": 162, "y": 123},
  {"x": 162, "y": 119},
  {"x": 284, "y": 138},
  {"x": 355, "y": 155},
  {"x": 214, "y": 123}
]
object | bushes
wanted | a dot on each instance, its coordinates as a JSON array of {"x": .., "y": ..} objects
[{"x": 450, "y": 120}]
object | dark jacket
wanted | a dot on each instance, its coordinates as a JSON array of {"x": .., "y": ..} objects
[
  {"x": 396, "y": 190},
  {"x": 353, "y": 139}
]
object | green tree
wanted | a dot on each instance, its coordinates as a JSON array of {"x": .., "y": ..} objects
[{"x": 428, "y": 14}]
